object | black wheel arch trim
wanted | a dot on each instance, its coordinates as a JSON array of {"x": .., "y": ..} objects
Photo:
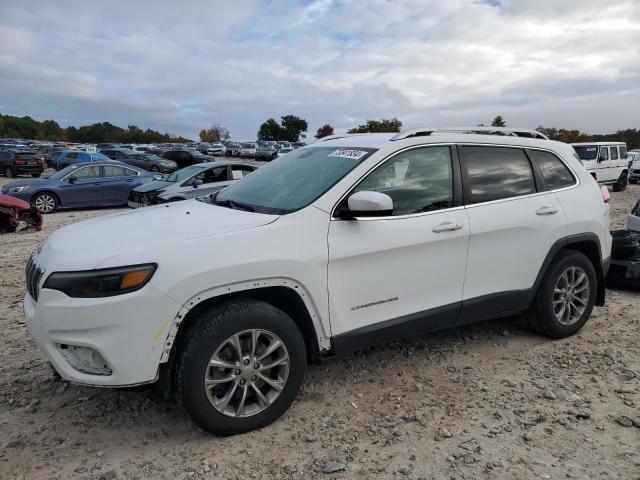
[{"x": 601, "y": 265}]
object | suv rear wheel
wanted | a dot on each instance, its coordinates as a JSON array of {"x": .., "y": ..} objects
[
  {"x": 621, "y": 184},
  {"x": 240, "y": 367},
  {"x": 565, "y": 297},
  {"x": 9, "y": 172}
]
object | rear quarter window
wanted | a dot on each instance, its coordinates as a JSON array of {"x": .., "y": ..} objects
[{"x": 554, "y": 171}]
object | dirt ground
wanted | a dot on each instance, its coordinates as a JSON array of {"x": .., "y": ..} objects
[{"x": 492, "y": 400}]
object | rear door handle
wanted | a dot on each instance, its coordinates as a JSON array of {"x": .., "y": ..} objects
[
  {"x": 546, "y": 211},
  {"x": 446, "y": 227},
  {"x": 96, "y": 183}
]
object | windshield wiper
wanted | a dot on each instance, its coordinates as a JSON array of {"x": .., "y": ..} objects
[{"x": 233, "y": 204}]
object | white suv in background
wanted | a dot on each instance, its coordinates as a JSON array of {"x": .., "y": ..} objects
[
  {"x": 342, "y": 244},
  {"x": 606, "y": 161}
]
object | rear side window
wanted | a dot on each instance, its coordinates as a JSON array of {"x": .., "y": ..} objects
[
  {"x": 494, "y": 173},
  {"x": 614, "y": 153},
  {"x": 113, "y": 171},
  {"x": 555, "y": 172},
  {"x": 623, "y": 152}
]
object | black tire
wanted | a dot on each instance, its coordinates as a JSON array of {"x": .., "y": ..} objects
[
  {"x": 205, "y": 334},
  {"x": 9, "y": 172},
  {"x": 541, "y": 317},
  {"x": 54, "y": 201},
  {"x": 621, "y": 184},
  {"x": 36, "y": 175},
  {"x": 155, "y": 169}
]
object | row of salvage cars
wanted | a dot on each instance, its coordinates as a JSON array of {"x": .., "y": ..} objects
[{"x": 112, "y": 183}]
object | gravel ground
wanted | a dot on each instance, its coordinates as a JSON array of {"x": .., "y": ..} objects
[{"x": 492, "y": 400}]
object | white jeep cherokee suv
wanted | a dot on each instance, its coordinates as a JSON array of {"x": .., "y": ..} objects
[{"x": 338, "y": 245}]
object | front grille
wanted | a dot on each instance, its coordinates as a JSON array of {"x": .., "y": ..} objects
[{"x": 34, "y": 275}]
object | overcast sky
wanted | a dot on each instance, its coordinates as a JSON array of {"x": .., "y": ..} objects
[{"x": 178, "y": 66}]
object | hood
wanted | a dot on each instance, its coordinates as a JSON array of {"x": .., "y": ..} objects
[
  {"x": 20, "y": 183},
  {"x": 151, "y": 186},
  {"x": 86, "y": 245}
]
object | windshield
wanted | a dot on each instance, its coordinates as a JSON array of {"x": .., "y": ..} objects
[
  {"x": 64, "y": 172},
  {"x": 587, "y": 152},
  {"x": 155, "y": 158},
  {"x": 183, "y": 174},
  {"x": 293, "y": 181}
]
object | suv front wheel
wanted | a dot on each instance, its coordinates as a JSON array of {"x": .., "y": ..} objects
[
  {"x": 240, "y": 367},
  {"x": 565, "y": 297}
]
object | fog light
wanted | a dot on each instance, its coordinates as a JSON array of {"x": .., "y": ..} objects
[{"x": 85, "y": 359}]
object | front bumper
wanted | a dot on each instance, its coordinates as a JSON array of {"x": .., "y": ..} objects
[{"x": 127, "y": 331}]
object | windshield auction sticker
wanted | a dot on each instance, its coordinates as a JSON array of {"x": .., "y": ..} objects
[{"x": 346, "y": 153}]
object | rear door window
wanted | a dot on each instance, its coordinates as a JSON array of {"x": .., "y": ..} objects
[
  {"x": 113, "y": 171},
  {"x": 495, "y": 173},
  {"x": 240, "y": 171},
  {"x": 554, "y": 171}
]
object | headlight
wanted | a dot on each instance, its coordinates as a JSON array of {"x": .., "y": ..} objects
[
  {"x": 19, "y": 189},
  {"x": 104, "y": 282}
]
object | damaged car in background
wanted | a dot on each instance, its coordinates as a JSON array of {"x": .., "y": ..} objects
[
  {"x": 17, "y": 215},
  {"x": 191, "y": 182}
]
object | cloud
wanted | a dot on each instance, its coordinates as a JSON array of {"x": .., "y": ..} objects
[{"x": 180, "y": 66}]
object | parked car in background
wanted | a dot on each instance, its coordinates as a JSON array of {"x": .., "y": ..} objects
[
  {"x": 216, "y": 149},
  {"x": 19, "y": 162},
  {"x": 71, "y": 157},
  {"x": 634, "y": 167},
  {"x": 118, "y": 153},
  {"x": 81, "y": 185},
  {"x": 284, "y": 150},
  {"x": 190, "y": 182},
  {"x": 606, "y": 162},
  {"x": 151, "y": 163},
  {"x": 233, "y": 150},
  {"x": 185, "y": 158},
  {"x": 266, "y": 152},
  {"x": 16, "y": 214},
  {"x": 141, "y": 148},
  {"x": 248, "y": 150}
]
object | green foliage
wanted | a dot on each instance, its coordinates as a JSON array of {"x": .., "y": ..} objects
[
  {"x": 498, "y": 122},
  {"x": 630, "y": 136},
  {"x": 105, "y": 132},
  {"x": 378, "y": 126},
  {"x": 324, "y": 131},
  {"x": 289, "y": 129}
]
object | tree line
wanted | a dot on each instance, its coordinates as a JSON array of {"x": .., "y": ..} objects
[
  {"x": 291, "y": 128},
  {"x": 105, "y": 132}
]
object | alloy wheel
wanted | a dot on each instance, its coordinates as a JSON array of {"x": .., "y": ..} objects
[
  {"x": 247, "y": 373},
  {"x": 571, "y": 295},
  {"x": 45, "y": 203}
]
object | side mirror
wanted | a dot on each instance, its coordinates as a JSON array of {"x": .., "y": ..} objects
[
  {"x": 197, "y": 182},
  {"x": 72, "y": 179},
  {"x": 368, "y": 204}
]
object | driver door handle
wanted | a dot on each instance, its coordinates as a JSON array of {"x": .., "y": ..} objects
[
  {"x": 546, "y": 211},
  {"x": 446, "y": 227}
]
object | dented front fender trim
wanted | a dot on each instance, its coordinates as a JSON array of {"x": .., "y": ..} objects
[{"x": 321, "y": 329}]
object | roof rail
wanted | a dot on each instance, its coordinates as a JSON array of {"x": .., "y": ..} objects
[
  {"x": 512, "y": 132},
  {"x": 334, "y": 137}
]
